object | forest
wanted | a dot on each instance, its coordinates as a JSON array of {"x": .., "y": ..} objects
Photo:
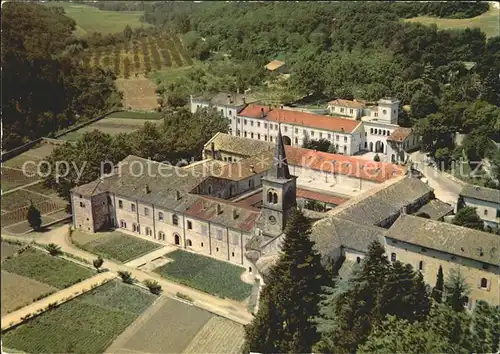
[{"x": 43, "y": 90}]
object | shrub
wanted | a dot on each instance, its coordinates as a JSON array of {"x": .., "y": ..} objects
[
  {"x": 53, "y": 249},
  {"x": 153, "y": 286},
  {"x": 126, "y": 277},
  {"x": 184, "y": 297},
  {"x": 376, "y": 158}
]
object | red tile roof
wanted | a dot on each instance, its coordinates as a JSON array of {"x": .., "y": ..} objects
[
  {"x": 320, "y": 197},
  {"x": 254, "y": 111},
  {"x": 344, "y": 165},
  {"x": 346, "y": 103},
  {"x": 399, "y": 134},
  {"x": 312, "y": 120}
]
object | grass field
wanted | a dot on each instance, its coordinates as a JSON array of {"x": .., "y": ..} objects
[
  {"x": 8, "y": 249},
  {"x": 488, "y": 22},
  {"x": 206, "y": 274},
  {"x": 18, "y": 291},
  {"x": 138, "y": 93},
  {"x": 90, "y": 19},
  {"x": 115, "y": 245},
  {"x": 112, "y": 126},
  {"x": 42, "y": 267},
  {"x": 87, "y": 324}
]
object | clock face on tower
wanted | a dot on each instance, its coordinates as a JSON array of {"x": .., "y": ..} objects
[{"x": 272, "y": 219}]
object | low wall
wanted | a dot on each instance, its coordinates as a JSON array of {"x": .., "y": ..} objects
[{"x": 7, "y": 155}]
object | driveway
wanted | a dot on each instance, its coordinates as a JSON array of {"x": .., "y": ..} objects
[{"x": 444, "y": 188}]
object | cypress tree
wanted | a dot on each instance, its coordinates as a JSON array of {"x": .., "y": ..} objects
[
  {"x": 456, "y": 290},
  {"x": 34, "y": 218},
  {"x": 289, "y": 301},
  {"x": 437, "y": 292}
]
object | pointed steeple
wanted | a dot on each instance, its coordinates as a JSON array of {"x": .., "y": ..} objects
[{"x": 280, "y": 163}]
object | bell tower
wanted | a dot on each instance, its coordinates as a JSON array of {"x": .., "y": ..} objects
[{"x": 278, "y": 193}]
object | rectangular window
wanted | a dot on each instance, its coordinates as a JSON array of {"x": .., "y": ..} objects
[
  {"x": 82, "y": 205},
  {"x": 265, "y": 137},
  {"x": 351, "y": 111},
  {"x": 329, "y": 136},
  {"x": 320, "y": 135},
  {"x": 230, "y": 159},
  {"x": 258, "y": 136},
  {"x": 238, "y": 121},
  {"x": 337, "y": 137},
  {"x": 251, "y": 123},
  {"x": 251, "y": 135},
  {"x": 286, "y": 129},
  {"x": 498, "y": 213},
  {"x": 342, "y": 110},
  {"x": 160, "y": 216},
  {"x": 146, "y": 212},
  {"x": 312, "y": 133},
  {"x": 245, "y": 134},
  {"x": 230, "y": 112},
  {"x": 189, "y": 225},
  {"x": 296, "y": 131},
  {"x": 238, "y": 132},
  {"x": 132, "y": 207},
  {"x": 270, "y": 138},
  {"x": 245, "y": 121},
  {"x": 258, "y": 124},
  {"x": 265, "y": 125},
  {"x": 485, "y": 211},
  {"x": 219, "y": 235},
  {"x": 345, "y": 139},
  {"x": 120, "y": 204}
]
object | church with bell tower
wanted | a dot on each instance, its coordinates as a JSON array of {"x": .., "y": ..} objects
[{"x": 278, "y": 193}]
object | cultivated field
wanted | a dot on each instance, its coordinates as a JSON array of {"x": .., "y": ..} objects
[
  {"x": 206, "y": 274},
  {"x": 138, "y": 93},
  {"x": 15, "y": 203},
  {"x": 114, "y": 245},
  {"x": 138, "y": 55},
  {"x": 42, "y": 267},
  {"x": 90, "y": 19},
  {"x": 489, "y": 22},
  {"x": 18, "y": 291},
  {"x": 86, "y": 324},
  {"x": 111, "y": 126}
]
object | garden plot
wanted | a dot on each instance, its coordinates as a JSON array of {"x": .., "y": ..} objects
[
  {"x": 86, "y": 324},
  {"x": 169, "y": 327},
  {"x": 114, "y": 245},
  {"x": 138, "y": 93},
  {"x": 50, "y": 270},
  {"x": 19, "y": 291},
  {"x": 206, "y": 274},
  {"x": 20, "y": 198},
  {"x": 12, "y": 178}
]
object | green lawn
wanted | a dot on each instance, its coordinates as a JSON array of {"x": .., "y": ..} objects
[
  {"x": 118, "y": 246},
  {"x": 206, "y": 274},
  {"x": 90, "y": 19},
  {"x": 136, "y": 115},
  {"x": 488, "y": 22},
  {"x": 87, "y": 324},
  {"x": 47, "y": 269}
]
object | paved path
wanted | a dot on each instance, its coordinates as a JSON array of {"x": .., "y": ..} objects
[
  {"x": 150, "y": 256},
  {"x": 444, "y": 188},
  {"x": 14, "y": 318},
  {"x": 230, "y": 309}
]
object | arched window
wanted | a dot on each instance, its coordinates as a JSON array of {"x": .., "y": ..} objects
[
  {"x": 175, "y": 219},
  {"x": 250, "y": 269},
  {"x": 209, "y": 189},
  {"x": 393, "y": 257},
  {"x": 148, "y": 231},
  {"x": 484, "y": 283},
  {"x": 134, "y": 227},
  {"x": 269, "y": 197},
  {"x": 358, "y": 260},
  {"x": 371, "y": 130},
  {"x": 123, "y": 224},
  {"x": 177, "y": 239},
  {"x": 160, "y": 216},
  {"x": 189, "y": 243},
  {"x": 161, "y": 235},
  {"x": 421, "y": 265},
  {"x": 275, "y": 198}
]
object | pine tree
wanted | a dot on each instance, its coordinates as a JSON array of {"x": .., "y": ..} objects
[
  {"x": 290, "y": 300},
  {"x": 456, "y": 290},
  {"x": 437, "y": 292}
]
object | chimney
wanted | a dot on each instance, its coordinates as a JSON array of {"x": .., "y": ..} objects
[
  {"x": 212, "y": 149},
  {"x": 218, "y": 209},
  {"x": 146, "y": 189},
  {"x": 262, "y": 112},
  {"x": 235, "y": 214},
  {"x": 177, "y": 195},
  {"x": 229, "y": 101}
]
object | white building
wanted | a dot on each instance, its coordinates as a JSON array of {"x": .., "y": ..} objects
[{"x": 485, "y": 200}]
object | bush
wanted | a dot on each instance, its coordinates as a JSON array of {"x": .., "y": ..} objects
[
  {"x": 153, "y": 286},
  {"x": 184, "y": 297},
  {"x": 126, "y": 277},
  {"x": 53, "y": 249},
  {"x": 376, "y": 158}
]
